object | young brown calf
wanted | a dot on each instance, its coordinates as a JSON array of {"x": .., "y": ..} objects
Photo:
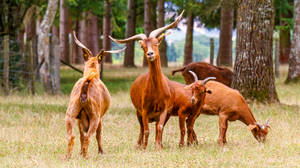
[
  {"x": 230, "y": 105},
  {"x": 88, "y": 103}
]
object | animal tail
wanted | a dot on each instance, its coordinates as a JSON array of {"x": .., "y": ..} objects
[
  {"x": 84, "y": 91},
  {"x": 178, "y": 70}
]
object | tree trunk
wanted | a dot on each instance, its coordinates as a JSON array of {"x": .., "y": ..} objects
[
  {"x": 276, "y": 58},
  {"x": 149, "y": 20},
  {"x": 107, "y": 30},
  {"x": 130, "y": 31},
  {"x": 93, "y": 33},
  {"x": 6, "y": 64},
  {"x": 225, "y": 49},
  {"x": 82, "y": 30},
  {"x": 294, "y": 65},
  {"x": 284, "y": 39},
  {"x": 212, "y": 51},
  {"x": 55, "y": 60},
  {"x": 188, "y": 48},
  {"x": 161, "y": 23},
  {"x": 43, "y": 45},
  {"x": 63, "y": 32},
  {"x": 253, "y": 70},
  {"x": 73, "y": 47},
  {"x": 285, "y": 45}
]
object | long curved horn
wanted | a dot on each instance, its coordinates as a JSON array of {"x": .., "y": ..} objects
[
  {"x": 156, "y": 32},
  {"x": 114, "y": 51},
  {"x": 135, "y": 37},
  {"x": 194, "y": 75},
  {"x": 81, "y": 45},
  {"x": 267, "y": 122},
  {"x": 208, "y": 79}
]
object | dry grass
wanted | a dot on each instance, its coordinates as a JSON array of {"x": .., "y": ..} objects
[{"x": 32, "y": 134}]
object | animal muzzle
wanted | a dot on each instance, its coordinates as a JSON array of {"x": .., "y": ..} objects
[
  {"x": 151, "y": 55},
  {"x": 260, "y": 139},
  {"x": 194, "y": 100}
]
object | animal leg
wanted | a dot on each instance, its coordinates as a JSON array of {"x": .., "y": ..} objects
[
  {"x": 83, "y": 125},
  {"x": 182, "y": 130},
  {"x": 98, "y": 137},
  {"x": 94, "y": 122},
  {"x": 146, "y": 129},
  {"x": 192, "y": 137},
  {"x": 141, "y": 135},
  {"x": 157, "y": 127},
  {"x": 223, "y": 124},
  {"x": 81, "y": 131},
  {"x": 160, "y": 128},
  {"x": 70, "y": 127}
]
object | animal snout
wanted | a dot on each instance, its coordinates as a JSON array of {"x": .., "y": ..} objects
[
  {"x": 150, "y": 53},
  {"x": 193, "y": 100}
]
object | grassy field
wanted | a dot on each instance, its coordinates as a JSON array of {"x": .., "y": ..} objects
[{"x": 32, "y": 132}]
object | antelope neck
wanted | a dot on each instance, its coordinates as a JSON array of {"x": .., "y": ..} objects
[
  {"x": 248, "y": 118},
  {"x": 155, "y": 71}
]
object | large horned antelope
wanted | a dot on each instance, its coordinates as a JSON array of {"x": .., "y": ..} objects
[
  {"x": 89, "y": 101},
  {"x": 150, "y": 93}
]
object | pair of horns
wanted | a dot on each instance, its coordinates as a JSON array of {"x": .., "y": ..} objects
[
  {"x": 89, "y": 51},
  {"x": 263, "y": 126},
  {"x": 153, "y": 34},
  {"x": 203, "y": 81}
]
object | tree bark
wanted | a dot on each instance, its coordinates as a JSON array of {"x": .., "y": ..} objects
[
  {"x": 285, "y": 45},
  {"x": 161, "y": 23},
  {"x": 44, "y": 46},
  {"x": 93, "y": 33},
  {"x": 284, "y": 40},
  {"x": 253, "y": 70},
  {"x": 212, "y": 51},
  {"x": 6, "y": 64},
  {"x": 147, "y": 24},
  {"x": 149, "y": 20},
  {"x": 294, "y": 65},
  {"x": 55, "y": 60},
  {"x": 188, "y": 48},
  {"x": 82, "y": 30},
  {"x": 107, "y": 30},
  {"x": 276, "y": 58},
  {"x": 73, "y": 47},
  {"x": 63, "y": 32},
  {"x": 130, "y": 31},
  {"x": 225, "y": 49}
]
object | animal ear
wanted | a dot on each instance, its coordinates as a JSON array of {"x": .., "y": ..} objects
[
  {"x": 141, "y": 42},
  {"x": 86, "y": 55},
  {"x": 208, "y": 92},
  {"x": 100, "y": 55},
  {"x": 252, "y": 127}
]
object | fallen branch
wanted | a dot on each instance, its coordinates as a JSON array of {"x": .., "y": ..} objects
[{"x": 71, "y": 66}]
